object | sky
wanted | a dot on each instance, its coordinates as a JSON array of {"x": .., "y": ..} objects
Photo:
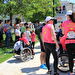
[{"x": 73, "y": 1}]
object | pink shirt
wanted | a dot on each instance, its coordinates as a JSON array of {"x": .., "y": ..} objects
[
  {"x": 67, "y": 25},
  {"x": 64, "y": 25},
  {"x": 47, "y": 36},
  {"x": 33, "y": 37}
]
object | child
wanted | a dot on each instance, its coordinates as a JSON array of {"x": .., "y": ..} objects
[{"x": 33, "y": 38}]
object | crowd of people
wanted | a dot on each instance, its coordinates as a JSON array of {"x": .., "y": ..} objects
[{"x": 49, "y": 40}]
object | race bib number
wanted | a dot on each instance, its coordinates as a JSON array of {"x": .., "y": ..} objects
[{"x": 71, "y": 35}]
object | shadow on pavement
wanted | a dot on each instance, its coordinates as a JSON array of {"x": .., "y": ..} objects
[
  {"x": 28, "y": 70},
  {"x": 14, "y": 61}
]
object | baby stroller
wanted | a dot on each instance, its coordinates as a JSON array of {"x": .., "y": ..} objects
[{"x": 22, "y": 51}]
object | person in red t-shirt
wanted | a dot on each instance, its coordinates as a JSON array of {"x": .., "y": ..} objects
[
  {"x": 24, "y": 39},
  {"x": 33, "y": 38}
]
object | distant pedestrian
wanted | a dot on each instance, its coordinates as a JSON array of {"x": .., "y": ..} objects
[
  {"x": 28, "y": 35},
  {"x": 22, "y": 27},
  {"x": 33, "y": 38},
  {"x": 17, "y": 33},
  {"x": 38, "y": 30},
  {"x": 1, "y": 32},
  {"x": 7, "y": 30}
]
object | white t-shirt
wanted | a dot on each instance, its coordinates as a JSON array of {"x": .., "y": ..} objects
[
  {"x": 17, "y": 31},
  {"x": 28, "y": 34}
]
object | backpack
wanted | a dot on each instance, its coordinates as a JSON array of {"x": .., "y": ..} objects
[
  {"x": 71, "y": 32},
  {"x": 5, "y": 29}
]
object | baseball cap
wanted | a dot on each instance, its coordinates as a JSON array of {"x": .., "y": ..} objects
[
  {"x": 48, "y": 18},
  {"x": 69, "y": 12}
]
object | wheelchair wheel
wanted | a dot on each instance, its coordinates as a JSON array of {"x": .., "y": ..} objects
[
  {"x": 63, "y": 63},
  {"x": 25, "y": 54}
]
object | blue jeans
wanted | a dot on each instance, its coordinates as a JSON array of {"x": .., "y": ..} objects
[{"x": 7, "y": 40}]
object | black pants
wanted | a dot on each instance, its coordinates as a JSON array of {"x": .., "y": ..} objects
[
  {"x": 71, "y": 49},
  {"x": 33, "y": 43},
  {"x": 51, "y": 48},
  {"x": 17, "y": 38},
  {"x": 1, "y": 36}
]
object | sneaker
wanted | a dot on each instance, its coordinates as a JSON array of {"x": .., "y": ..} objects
[
  {"x": 43, "y": 66},
  {"x": 56, "y": 73}
]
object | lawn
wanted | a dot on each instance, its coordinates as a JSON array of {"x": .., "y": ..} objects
[{"x": 4, "y": 54}]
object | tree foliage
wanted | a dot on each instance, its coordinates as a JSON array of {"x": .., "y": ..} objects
[{"x": 30, "y": 9}]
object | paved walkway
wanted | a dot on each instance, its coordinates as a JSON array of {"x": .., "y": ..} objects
[{"x": 16, "y": 67}]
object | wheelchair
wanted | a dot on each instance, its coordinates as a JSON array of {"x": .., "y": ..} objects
[
  {"x": 22, "y": 51},
  {"x": 63, "y": 62}
]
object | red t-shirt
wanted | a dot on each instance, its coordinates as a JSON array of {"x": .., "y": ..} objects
[
  {"x": 24, "y": 39},
  {"x": 33, "y": 37}
]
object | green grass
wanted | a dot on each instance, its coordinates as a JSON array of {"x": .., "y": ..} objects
[{"x": 4, "y": 55}]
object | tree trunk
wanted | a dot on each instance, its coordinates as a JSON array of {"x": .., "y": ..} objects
[{"x": 11, "y": 18}]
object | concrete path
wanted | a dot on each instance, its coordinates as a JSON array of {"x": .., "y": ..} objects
[{"x": 17, "y": 67}]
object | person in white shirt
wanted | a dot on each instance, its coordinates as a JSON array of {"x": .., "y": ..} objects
[
  {"x": 28, "y": 35},
  {"x": 17, "y": 33}
]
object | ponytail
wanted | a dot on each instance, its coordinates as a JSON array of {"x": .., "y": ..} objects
[{"x": 73, "y": 17}]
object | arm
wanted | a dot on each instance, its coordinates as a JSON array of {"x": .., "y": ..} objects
[
  {"x": 54, "y": 36},
  {"x": 62, "y": 30}
]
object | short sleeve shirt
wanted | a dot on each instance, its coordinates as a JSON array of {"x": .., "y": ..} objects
[{"x": 28, "y": 34}]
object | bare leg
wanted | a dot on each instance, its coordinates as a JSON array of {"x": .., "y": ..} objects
[{"x": 42, "y": 57}]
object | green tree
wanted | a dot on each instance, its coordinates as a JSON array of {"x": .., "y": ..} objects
[
  {"x": 30, "y": 9},
  {"x": 9, "y": 7},
  {"x": 38, "y": 9}
]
